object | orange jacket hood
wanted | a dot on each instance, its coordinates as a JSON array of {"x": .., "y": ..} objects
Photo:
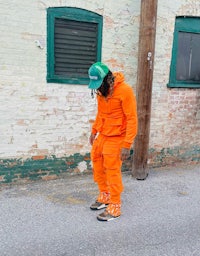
[{"x": 119, "y": 79}]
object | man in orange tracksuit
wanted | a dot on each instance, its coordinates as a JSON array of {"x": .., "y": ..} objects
[{"x": 112, "y": 135}]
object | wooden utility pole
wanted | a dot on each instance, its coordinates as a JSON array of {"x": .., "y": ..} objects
[{"x": 146, "y": 51}]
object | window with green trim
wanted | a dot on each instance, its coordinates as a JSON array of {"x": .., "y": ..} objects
[
  {"x": 74, "y": 41},
  {"x": 185, "y": 63}
]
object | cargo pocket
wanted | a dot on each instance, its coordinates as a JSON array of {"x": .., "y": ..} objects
[
  {"x": 111, "y": 153},
  {"x": 112, "y": 126}
]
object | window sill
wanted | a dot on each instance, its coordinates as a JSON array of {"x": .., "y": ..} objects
[{"x": 183, "y": 85}]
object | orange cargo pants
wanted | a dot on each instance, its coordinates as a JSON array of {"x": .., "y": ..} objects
[{"x": 105, "y": 156}]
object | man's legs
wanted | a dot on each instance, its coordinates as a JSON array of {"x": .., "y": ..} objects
[
  {"x": 99, "y": 173},
  {"x": 112, "y": 165}
]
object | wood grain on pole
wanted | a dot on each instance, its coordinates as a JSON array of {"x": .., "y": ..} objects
[{"x": 146, "y": 51}]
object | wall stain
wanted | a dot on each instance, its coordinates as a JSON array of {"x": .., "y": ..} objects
[{"x": 49, "y": 168}]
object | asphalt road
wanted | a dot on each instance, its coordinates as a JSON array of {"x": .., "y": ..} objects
[{"x": 161, "y": 217}]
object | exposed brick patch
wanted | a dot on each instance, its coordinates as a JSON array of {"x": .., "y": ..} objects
[
  {"x": 1, "y": 178},
  {"x": 38, "y": 157},
  {"x": 21, "y": 122},
  {"x": 49, "y": 177},
  {"x": 43, "y": 98}
]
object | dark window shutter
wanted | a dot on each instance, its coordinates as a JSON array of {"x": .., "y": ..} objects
[
  {"x": 184, "y": 68},
  {"x": 188, "y": 61},
  {"x": 75, "y": 47}
]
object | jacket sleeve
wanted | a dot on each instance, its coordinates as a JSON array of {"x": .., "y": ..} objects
[
  {"x": 95, "y": 125},
  {"x": 129, "y": 106}
]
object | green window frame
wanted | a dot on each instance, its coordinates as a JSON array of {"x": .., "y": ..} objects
[
  {"x": 74, "y": 43},
  {"x": 185, "y": 62}
]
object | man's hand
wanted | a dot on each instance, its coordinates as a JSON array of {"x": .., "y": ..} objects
[
  {"x": 92, "y": 138},
  {"x": 125, "y": 153}
]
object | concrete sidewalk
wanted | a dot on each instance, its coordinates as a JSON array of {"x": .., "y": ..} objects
[{"x": 161, "y": 216}]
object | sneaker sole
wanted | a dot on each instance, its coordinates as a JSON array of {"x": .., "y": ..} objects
[
  {"x": 100, "y": 207},
  {"x": 102, "y": 219}
]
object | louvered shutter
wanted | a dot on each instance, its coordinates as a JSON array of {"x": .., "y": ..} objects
[{"x": 75, "y": 47}]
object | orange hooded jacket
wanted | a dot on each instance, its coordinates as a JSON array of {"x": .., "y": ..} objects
[{"x": 117, "y": 114}]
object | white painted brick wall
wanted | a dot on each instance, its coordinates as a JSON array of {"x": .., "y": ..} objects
[
  {"x": 55, "y": 119},
  {"x": 175, "y": 121}
]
